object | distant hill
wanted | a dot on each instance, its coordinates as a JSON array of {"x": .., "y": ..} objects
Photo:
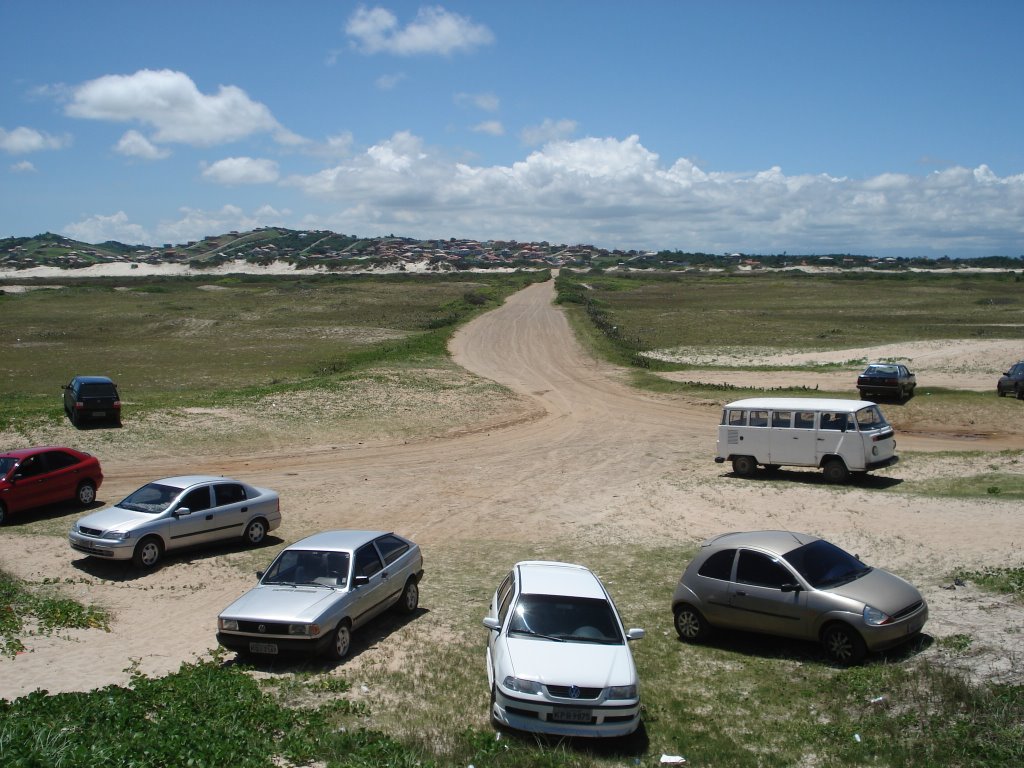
[{"x": 333, "y": 251}]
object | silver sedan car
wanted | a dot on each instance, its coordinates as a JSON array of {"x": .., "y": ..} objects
[
  {"x": 796, "y": 585},
  {"x": 177, "y": 512},
  {"x": 320, "y": 589}
]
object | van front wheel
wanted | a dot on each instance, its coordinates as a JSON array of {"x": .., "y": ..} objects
[
  {"x": 744, "y": 466},
  {"x": 835, "y": 471}
]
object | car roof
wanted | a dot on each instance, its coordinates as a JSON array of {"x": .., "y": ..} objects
[
  {"x": 772, "y": 541},
  {"x": 186, "y": 481},
  {"x": 24, "y": 453},
  {"x": 340, "y": 541},
  {"x": 545, "y": 577},
  {"x": 801, "y": 404},
  {"x": 93, "y": 379}
]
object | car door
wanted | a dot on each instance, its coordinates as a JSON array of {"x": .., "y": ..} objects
[
  {"x": 500, "y": 604},
  {"x": 370, "y": 597},
  {"x": 29, "y": 487},
  {"x": 62, "y": 475},
  {"x": 230, "y": 511},
  {"x": 193, "y": 527},
  {"x": 398, "y": 561},
  {"x": 764, "y": 597}
]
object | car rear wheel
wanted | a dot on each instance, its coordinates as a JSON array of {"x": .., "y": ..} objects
[
  {"x": 744, "y": 466},
  {"x": 256, "y": 532},
  {"x": 835, "y": 471},
  {"x": 690, "y": 625},
  {"x": 341, "y": 643},
  {"x": 86, "y": 493},
  {"x": 410, "y": 599},
  {"x": 148, "y": 553},
  {"x": 843, "y": 644}
]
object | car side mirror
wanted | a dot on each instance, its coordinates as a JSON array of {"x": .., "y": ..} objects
[
  {"x": 182, "y": 511},
  {"x": 791, "y": 587},
  {"x": 635, "y": 633},
  {"x": 360, "y": 581},
  {"x": 492, "y": 623},
  {"x": 259, "y": 574}
]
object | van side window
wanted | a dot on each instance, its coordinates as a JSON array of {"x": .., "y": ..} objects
[
  {"x": 737, "y": 418},
  {"x": 759, "y": 418},
  {"x": 782, "y": 418},
  {"x": 804, "y": 420},
  {"x": 835, "y": 421}
]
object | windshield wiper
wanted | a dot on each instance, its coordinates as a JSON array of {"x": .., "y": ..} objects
[{"x": 539, "y": 634}]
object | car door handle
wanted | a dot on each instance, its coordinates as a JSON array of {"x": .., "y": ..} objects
[
  {"x": 740, "y": 593},
  {"x": 245, "y": 509},
  {"x": 209, "y": 517}
]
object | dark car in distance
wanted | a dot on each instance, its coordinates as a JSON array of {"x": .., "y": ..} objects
[
  {"x": 35, "y": 477},
  {"x": 886, "y": 380},
  {"x": 92, "y": 398},
  {"x": 1012, "y": 382}
]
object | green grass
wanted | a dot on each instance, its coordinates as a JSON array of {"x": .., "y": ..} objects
[
  {"x": 210, "y": 341},
  {"x": 1004, "y": 580},
  {"x": 414, "y": 693},
  {"x": 40, "y": 610},
  {"x": 805, "y": 312}
]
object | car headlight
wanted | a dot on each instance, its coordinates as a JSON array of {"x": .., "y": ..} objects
[
  {"x": 116, "y": 535},
  {"x": 304, "y": 630},
  {"x": 521, "y": 686},
  {"x": 228, "y": 625},
  {"x": 875, "y": 617},
  {"x": 622, "y": 692}
]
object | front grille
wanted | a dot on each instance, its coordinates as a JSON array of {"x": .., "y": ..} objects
[
  {"x": 565, "y": 692},
  {"x": 90, "y": 531},
  {"x": 907, "y": 611},
  {"x": 269, "y": 628}
]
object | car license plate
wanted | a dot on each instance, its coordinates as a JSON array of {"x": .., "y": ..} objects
[
  {"x": 99, "y": 413},
  {"x": 263, "y": 648},
  {"x": 572, "y": 715}
]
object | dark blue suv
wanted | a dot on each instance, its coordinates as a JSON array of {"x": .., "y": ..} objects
[
  {"x": 1012, "y": 382},
  {"x": 92, "y": 398}
]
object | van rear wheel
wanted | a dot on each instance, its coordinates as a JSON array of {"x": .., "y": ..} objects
[{"x": 744, "y": 466}]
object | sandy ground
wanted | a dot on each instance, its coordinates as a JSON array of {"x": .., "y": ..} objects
[{"x": 578, "y": 455}]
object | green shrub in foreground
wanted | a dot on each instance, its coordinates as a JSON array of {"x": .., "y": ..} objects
[{"x": 20, "y": 606}]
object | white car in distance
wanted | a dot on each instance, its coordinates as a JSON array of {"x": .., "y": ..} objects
[{"x": 558, "y": 658}]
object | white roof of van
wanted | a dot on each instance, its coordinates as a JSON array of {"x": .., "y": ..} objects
[{"x": 801, "y": 404}]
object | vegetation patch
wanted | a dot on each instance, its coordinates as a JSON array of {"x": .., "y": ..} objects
[
  {"x": 40, "y": 610},
  {"x": 1007, "y": 580}
]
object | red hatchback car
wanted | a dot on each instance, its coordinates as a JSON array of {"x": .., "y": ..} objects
[{"x": 34, "y": 477}]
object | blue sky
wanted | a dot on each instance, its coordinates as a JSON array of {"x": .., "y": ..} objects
[{"x": 875, "y": 127}]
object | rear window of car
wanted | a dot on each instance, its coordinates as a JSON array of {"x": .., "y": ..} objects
[
  {"x": 97, "y": 390},
  {"x": 228, "y": 493},
  {"x": 392, "y": 548},
  {"x": 719, "y": 565}
]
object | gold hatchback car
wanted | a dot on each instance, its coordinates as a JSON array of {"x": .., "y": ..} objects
[{"x": 796, "y": 585}]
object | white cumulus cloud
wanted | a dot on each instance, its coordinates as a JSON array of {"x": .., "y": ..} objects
[
  {"x": 100, "y": 228},
  {"x": 241, "y": 170},
  {"x": 433, "y": 31},
  {"x": 23, "y": 167},
  {"x": 549, "y": 130},
  {"x": 175, "y": 109},
  {"x": 22, "y": 141},
  {"x": 134, "y": 144}
]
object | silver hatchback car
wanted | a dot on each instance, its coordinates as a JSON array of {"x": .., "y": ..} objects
[
  {"x": 319, "y": 589},
  {"x": 796, "y": 585}
]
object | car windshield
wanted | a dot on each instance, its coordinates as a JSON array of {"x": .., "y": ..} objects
[
  {"x": 825, "y": 565},
  {"x": 6, "y": 463},
  {"x": 880, "y": 370},
  {"x": 153, "y": 498},
  {"x": 565, "y": 619},
  {"x": 307, "y": 566},
  {"x": 871, "y": 418}
]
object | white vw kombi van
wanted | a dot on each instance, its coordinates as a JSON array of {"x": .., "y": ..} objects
[{"x": 838, "y": 436}]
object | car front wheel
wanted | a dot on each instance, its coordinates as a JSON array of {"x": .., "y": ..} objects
[
  {"x": 690, "y": 625},
  {"x": 410, "y": 599},
  {"x": 843, "y": 644},
  {"x": 341, "y": 643},
  {"x": 148, "y": 553},
  {"x": 256, "y": 532},
  {"x": 86, "y": 494}
]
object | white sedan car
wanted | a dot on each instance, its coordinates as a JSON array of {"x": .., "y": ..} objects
[
  {"x": 558, "y": 660},
  {"x": 177, "y": 512}
]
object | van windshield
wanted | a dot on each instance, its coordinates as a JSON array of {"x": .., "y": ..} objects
[{"x": 871, "y": 418}]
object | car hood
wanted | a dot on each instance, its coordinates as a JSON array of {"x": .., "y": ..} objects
[
  {"x": 879, "y": 589},
  {"x": 116, "y": 519},
  {"x": 282, "y": 603},
  {"x": 587, "y": 665}
]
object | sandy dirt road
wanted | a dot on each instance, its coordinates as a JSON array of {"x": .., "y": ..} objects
[{"x": 583, "y": 456}]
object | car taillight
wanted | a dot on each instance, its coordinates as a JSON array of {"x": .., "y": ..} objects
[
  {"x": 117, "y": 404},
  {"x": 79, "y": 405}
]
